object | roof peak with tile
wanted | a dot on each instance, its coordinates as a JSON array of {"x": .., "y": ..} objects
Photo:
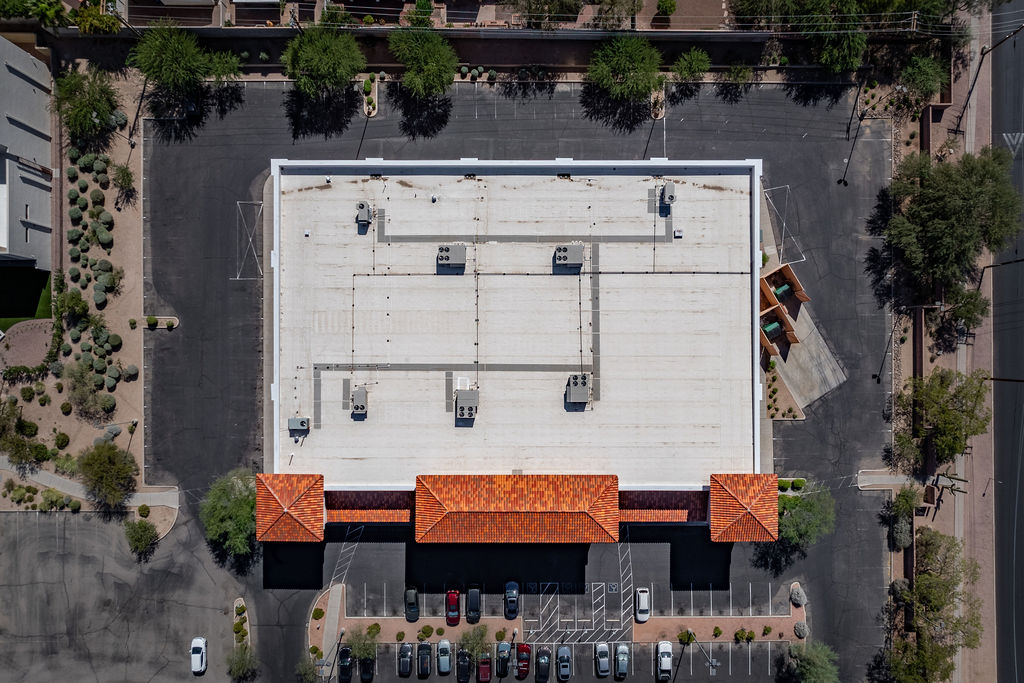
[
  {"x": 290, "y": 507},
  {"x": 539, "y": 508},
  {"x": 744, "y": 507}
]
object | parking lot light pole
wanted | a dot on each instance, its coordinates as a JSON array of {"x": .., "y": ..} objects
[
  {"x": 712, "y": 663},
  {"x": 515, "y": 632}
]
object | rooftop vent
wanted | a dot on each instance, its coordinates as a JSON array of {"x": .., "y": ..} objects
[
  {"x": 359, "y": 401},
  {"x": 577, "y": 389},
  {"x": 451, "y": 256},
  {"x": 668, "y": 192},
  {"x": 569, "y": 255},
  {"x": 298, "y": 425},
  {"x": 364, "y": 214},
  {"x": 467, "y": 403}
]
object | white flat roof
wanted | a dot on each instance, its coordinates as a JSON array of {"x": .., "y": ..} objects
[{"x": 661, "y": 316}]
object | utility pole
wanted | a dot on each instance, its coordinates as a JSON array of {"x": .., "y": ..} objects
[{"x": 985, "y": 49}]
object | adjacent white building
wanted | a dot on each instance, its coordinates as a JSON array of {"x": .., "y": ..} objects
[{"x": 26, "y": 179}]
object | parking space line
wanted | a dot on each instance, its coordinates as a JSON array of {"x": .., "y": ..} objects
[
  {"x": 769, "y": 598},
  {"x": 750, "y": 604},
  {"x": 385, "y": 599},
  {"x": 730, "y": 658},
  {"x": 730, "y": 598},
  {"x": 749, "y": 658},
  {"x": 769, "y": 658},
  {"x": 711, "y": 595},
  {"x": 692, "y": 613}
]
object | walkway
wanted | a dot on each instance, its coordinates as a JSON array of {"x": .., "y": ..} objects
[
  {"x": 167, "y": 498},
  {"x": 883, "y": 479}
]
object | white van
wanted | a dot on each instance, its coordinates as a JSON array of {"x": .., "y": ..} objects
[{"x": 642, "y": 605}]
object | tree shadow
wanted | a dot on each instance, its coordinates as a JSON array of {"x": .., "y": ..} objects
[
  {"x": 731, "y": 92},
  {"x": 325, "y": 116},
  {"x": 146, "y": 555},
  {"x": 126, "y": 196},
  {"x": 776, "y": 557},
  {"x": 623, "y": 116},
  {"x": 178, "y": 116},
  {"x": 678, "y": 93},
  {"x": 530, "y": 83},
  {"x": 814, "y": 94},
  {"x": 240, "y": 565},
  {"x": 422, "y": 117}
]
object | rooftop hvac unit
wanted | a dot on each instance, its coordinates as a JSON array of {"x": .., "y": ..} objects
[
  {"x": 668, "y": 192},
  {"x": 298, "y": 424},
  {"x": 364, "y": 214},
  {"x": 359, "y": 401},
  {"x": 467, "y": 403},
  {"x": 569, "y": 255},
  {"x": 451, "y": 256},
  {"x": 578, "y": 389}
]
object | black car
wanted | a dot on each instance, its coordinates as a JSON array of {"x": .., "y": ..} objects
[
  {"x": 412, "y": 605},
  {"x": 405, "y": 660},
  {"x": 473, "y": 606},
  {"x": 543, "y": 664},
  {"x": 511, "y": 600},
  {"x": 504, "y": 658},
  {"x": 344, "y": 665},
  {"x": 423, "y": 660},
  {"x": 462, "y": 666},
  {"x": 366, "y": 670}
]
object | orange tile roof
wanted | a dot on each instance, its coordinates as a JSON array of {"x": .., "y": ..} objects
[
  {"x": 744, "y": 507},
  {"x": 651, "y": 516},
  {"x": 368, "y": 516},
  {"x": 290, "y": 507},
  {"x": 523, "y": 508}
]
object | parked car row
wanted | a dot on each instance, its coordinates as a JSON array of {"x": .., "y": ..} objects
[
  {"x": 452, "y": 604},
  {"x": 606, "y": 662}
]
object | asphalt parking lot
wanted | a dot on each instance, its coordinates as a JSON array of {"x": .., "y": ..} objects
[{"x": 204, "y": 379}]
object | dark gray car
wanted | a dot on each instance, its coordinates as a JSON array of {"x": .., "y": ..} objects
[
  {"x": 412, "y": 605},
  {"x": 405, "y": 660},
  {"x": 511, "y": 600}
]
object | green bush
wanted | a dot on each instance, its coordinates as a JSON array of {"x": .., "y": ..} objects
[
  {"x": 86, "y": 161},
  {"x": 400, "y": 636},
  {"x": 27, "y": 394},
  {"x": 61, "y": 440},
  {"x": 97, "y": 197},
  {"x": 132, "y": 323},
  {"x": 82, "y": 203},
  {"x": 74, "y": 273},
  {"x": 740, "y": 635},
  {"x": 799, "y": 484},
  {"x": 83, "y": 185},
  {"x": 169, "y": 324},
  {"x": 367, "y": 87},
  {"x": 427, "y": 631},
  {"x": 75, "y": 505},
  {"x": 108, "y": 403},
  {"x": 73, "y": 154},
  {"x": 86, "y": 346},
  {"x": 106, "y": 218},
  {"x": 99, "y": 365},
  {"x": 766, "y": 630},
  {"x": 104, "y": 237},
  {"x": 240, "y": 610},
  {"x": 100, "y": 298},
  {"x": 237, "y": 628},
  {"x": 44, "y": 400},
  {"x": 464, "y": 71},
  {"x": 110, "y": 383},
  {"x": 784, "y": 484},
  {"x": 99, "y": 166},
  {"x": 131, "y": 372},
  {"x": 18, "y": 495},
  {"x": 666, "y": 7},
  {"x": 66, "y": 464},
  {"x": 65, "y": 349},
  {"x": 151, "y": 321},
  {"x": 72, "y": 173},
  {"x": 318, "y": 614},
  {"x": 72, "y": 195},
  {"x": 26, "y": 427},
  {"x": 75, "y": 214},
  {"x": 74, "y": 253},
  {"x": 98, "y": 381},
  {"x": 717, "y": 632},
  {"x": 492, "y": 75},
  {"x": 373, "y": 630},
  {"x": 103, "y": 179},
  {"x": 114, "y": 341},
  {"x": 65, "y": 408}
]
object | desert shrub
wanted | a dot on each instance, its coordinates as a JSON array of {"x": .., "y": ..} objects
[
  {"x": 427, "y": 631},
  {"x": 108, "y": 403},
  {"x": 66, "y": 464},
  {"x": 99, "y": 166},
  {"x": 60, "y": 387},
  {"x": 99, "y": 365},
  {"x": 18, "y": 495},
  {"x": 318, "y": 614},
  {"x": 717, "y": 632},
  {"x": 800, "y": 629},
  {"x": 143, "y": 511},
  {"x": 112, "y": 371},
  {"x": 103, "y": 179},
  {"x": 26, "y": 427},
  {"x": 373, "y": 630},
  {"x": 97, "y": 197},
  {"x": 797, "y": 596},
  {"x": 237, "y": 628},
  {"x": 104, "y": 237},
  {"x": 65, "y": 349},
  {"x": 73, "y": 154},
  {"x": 170, "y": 324},
  {"x": 61, "y": 440},
  {"x": 115, "y": 342},
  {"x": 110, "y": 383},
  {"x": 131, "y": 373},
  {"x": 105, "y": 279},
  {"x": 72, "y": 195},
  {"x": 27, "y": 394},
  {"x": 72, "y": 173},
  {"x": 83, "y": 185},
  {"x": 75, "y": 214},
  {"x": 240, "y": 610},
  {"x": 106, "y": 218},
  {"x": 103, "y": 265},
  {"x": 74, "y": 273},
  {"x": 766, "y": 630},
  {"x": 86, "y": 161},
  {"x": 74, "y": 253},
  {"x": 44, "y": 400},
  {"x": 440, "y": 631},
  {"x": 151, "y": 321},
  {"x": 902, "y": 533},
  {"x": 51, "y": 499},
  {"x": 99, "y": 297},
  {"x": 97, "y": 382},
  {"x": 740, "y": 635},
  {"x": 65, "y": 408},
  {"x": 75, "y": 505}
]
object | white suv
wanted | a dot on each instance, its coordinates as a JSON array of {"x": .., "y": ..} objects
[
  {"x": 642, "y": 605},
  {"x": 664, "y": 660}
]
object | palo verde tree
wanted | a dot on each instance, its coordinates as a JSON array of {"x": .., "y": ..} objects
[
  {"x": 626, "y": 68},
  {"x": 172, "y": 58},
  {"x": 951, "y": 408},
  {"x": 430, "y": 62},
  {"x": 228, "y": 514},
  {"x": 108, "y": 474},
  {"x": 814, "y": 661},
  {"x": 691, "y": 66},
  {"x": 323, "y": 61}
]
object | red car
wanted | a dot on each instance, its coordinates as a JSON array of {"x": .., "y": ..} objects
[
  {"x": 451, "y": 608},
  {"x": 522, "y": 661},
  {"x": 483, "y": 668}
]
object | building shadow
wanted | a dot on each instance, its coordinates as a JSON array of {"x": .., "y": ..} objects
[
  {"x": 293, "y": 566},
  {"x": 457, "y": 565},
  {"x": 693, "y": 558},
  {"x": 623, "y": 116},
  {"x": 324, "y": 116}
]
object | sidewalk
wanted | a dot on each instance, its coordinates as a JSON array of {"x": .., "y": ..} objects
[{"x": 166, "y": 497}]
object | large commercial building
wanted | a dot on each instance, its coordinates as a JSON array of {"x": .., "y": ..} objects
[
  {"x": 26, "y": 179},
  {"x": 535, "y": 351}
]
